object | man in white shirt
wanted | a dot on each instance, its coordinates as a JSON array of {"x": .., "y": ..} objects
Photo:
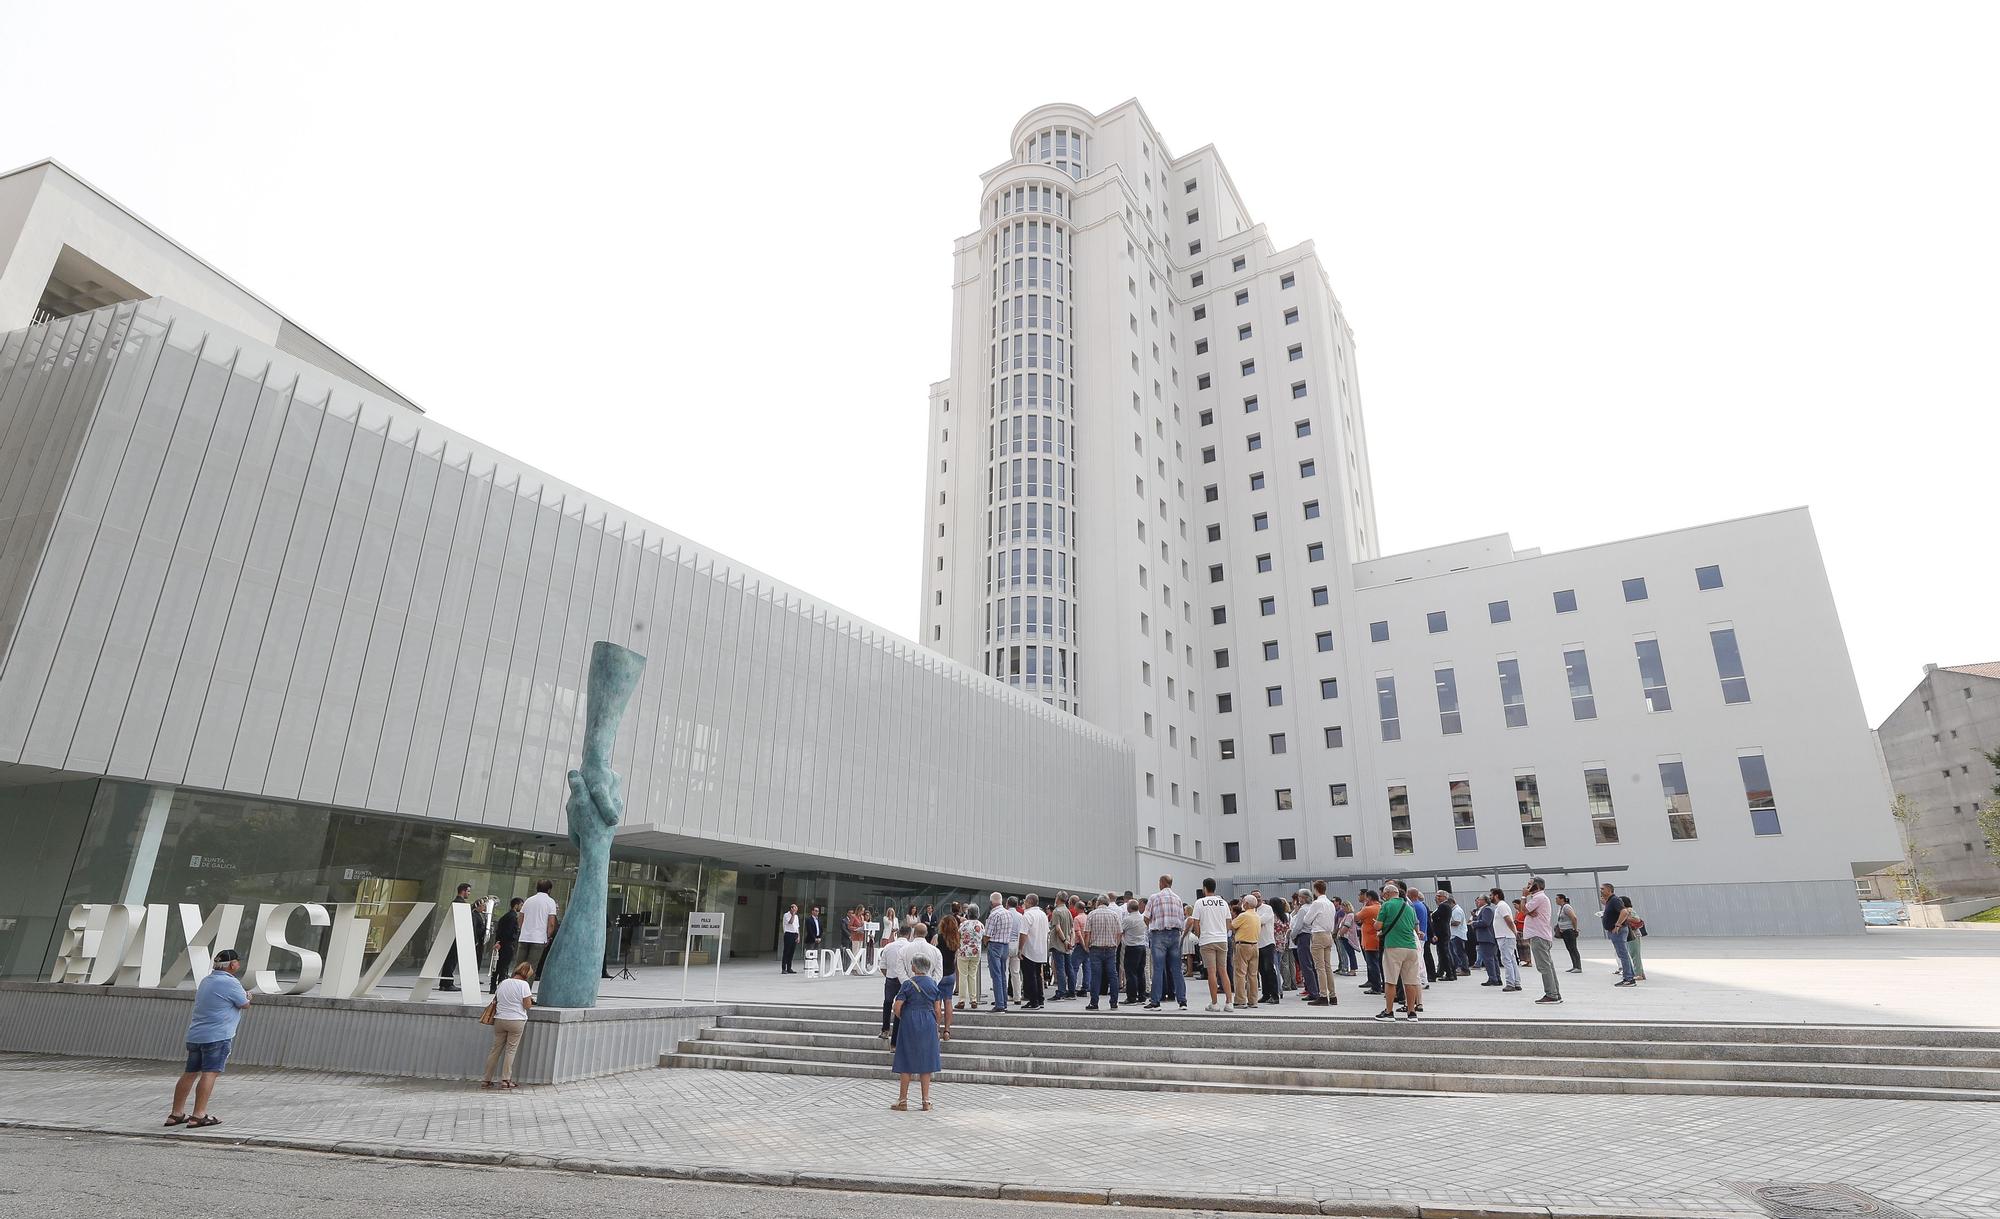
[
  {"x": 1267, "y": 948},
  {"x": 791, "y": 941},
  {"x": 1303, "y": 916},
  {"x": 919, "y": 945},
  {"x": 1326, "y": 925},
  {"x": 894, "y": 963},
  {"x": 538, "y": 923},
  {"x": 1505, "y": 944},
  {"x": 1034, "y": 951},
  {"x": 1212, "y": 913}
]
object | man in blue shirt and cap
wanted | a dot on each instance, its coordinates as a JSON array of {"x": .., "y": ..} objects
[{"x": 218, "y": 1005}]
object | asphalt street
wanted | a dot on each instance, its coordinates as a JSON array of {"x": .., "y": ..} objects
[{"x": 105, "y": 1177}]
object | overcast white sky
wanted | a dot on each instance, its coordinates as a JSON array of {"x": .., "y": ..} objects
[{"x": 1612, "y": 269}]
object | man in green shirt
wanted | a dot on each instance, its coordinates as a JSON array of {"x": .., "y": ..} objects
[{"x": 1402, "y": 968}]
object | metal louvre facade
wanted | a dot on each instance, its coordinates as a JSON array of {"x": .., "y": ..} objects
[{"x": 225, "y": 569}]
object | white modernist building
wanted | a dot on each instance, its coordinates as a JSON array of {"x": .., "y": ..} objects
[
  {"x": 268, "y": 633},
  {"x": 1149, "y": 504}
]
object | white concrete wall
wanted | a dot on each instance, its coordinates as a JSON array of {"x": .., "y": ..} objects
[{"x": 264, "y": 580}]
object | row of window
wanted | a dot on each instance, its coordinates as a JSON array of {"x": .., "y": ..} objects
[
  {"x": 1030, "y": 664},
  {"x": 1028, "y": 433},
  {"x": 1029, "y": 197},
  {"x": 1030, "y": 521},
  {"x": 1031, "y": 311},
  {"x": 1029, "y": 274},
  {"x": 1029, "y": 237},
  {"x": 1437, "y": 622},
  {"x": 1582, "y": 696},
  {"x": 1062, "y": 147},
  {"x": 1044, "y": 568},
  {"x": 1760, "y": 802}
]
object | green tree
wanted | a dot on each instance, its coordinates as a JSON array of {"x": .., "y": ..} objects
[
  {"x": 1989, "y": 815},
  {"x": 1910, "y": 875}
]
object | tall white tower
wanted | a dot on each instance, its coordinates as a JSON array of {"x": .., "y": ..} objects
[{"x": 1148, "y": 473}]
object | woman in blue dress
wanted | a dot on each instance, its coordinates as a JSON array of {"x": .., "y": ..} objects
[{"x": 917, "y": 1008}]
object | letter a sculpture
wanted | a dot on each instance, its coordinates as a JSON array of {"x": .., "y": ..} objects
[{"x": 576, "y": 959}]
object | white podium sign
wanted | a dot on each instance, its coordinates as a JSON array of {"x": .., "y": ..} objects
[{"x": 703, "y": 922}]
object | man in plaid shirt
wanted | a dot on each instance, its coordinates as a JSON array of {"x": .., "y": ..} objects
[
  {"x": 1003, "y": 930},
  {"x": 1166, "y": 919},
  {"x": 1101, "y": 933}
]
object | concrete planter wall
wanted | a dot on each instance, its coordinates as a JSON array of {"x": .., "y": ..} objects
[{"x": 364, "y": 1036}]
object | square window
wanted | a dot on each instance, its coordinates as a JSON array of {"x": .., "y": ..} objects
[
  {"x": 1187, "y": 187},
  {"x": 1200, "y": 311},
  {"x": 1298, "y": 389},
  {"x": 1566, "y": 601},
  {"x": 1232, "y": 852},
  {"x": 1378, "y": 632},
  {"x": 1315, "y": 552},
  {"x": 1222, "y": 658},
  {"x": 1302, "y": 427},
  {"x": 1436, "y": 621},
  {"x": 1229, "y": 804},
  {"x": 1274, "y": 696},
  {"x": 1329, "y": 687},
  {"x": 1323, "y": 641},
  {"x": 1226, "y": 748},
  {"x": 1209, "y": 494},
  {"x": 1243, "y": 296},
  {"x": 1286, "y": 280},
  {"x": 1319, "y": 595},
  {"x": 1257, "y": 481},
  {"x": 1277, "y": 742},
  {"x": 1201, "y": 347},
  {"x": 1709, "y": 577},
  {"x": 1343, "y": 846},
  {"x": 1194, "y": 215},
  {"x": 1243, "y": 332},
  {"x": 1291, "y": 316},
  {"x": 1288, "y": 848},
  {"x": 1207, "y": 418},
  {"x": 1218, "y": 614},
  {"x": 1225, "y": 703},
  {"x": 1215, "y": 573},
  {"x": 1270, "y": 649},
  {"x": 1312, "y": 509},
  {"x": 1267, "y": 606},
  {"x": 1194, "y": 247},
  {"x": 1254, "y": 441},
  {"x": 1201, "y": 381},
  {"x": 1263, "y": 562},
  {"x": 1236, "y": 263},
  {"x": 1308, "y": 468},
  {"x": 1215, "y": 533},
  {"x": 1260, "y": 522},
  {"x": 1336, "y": 793},
  {"x": 1635, "y": 589},
  {"x": 1296, "y": 351},
  {"x": 1498, "y": 611},
  {"x": 1208, "y": 455},
  {"x": 1247, "y": 368},
  {"x": 1250, "y": 405},
  {"x": 1333, "y": 741}
]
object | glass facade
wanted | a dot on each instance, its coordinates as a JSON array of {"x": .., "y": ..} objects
[{"x": 102, "y": 841}]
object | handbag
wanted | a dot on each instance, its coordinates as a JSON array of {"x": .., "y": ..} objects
[{"x": 486, "y": 1015}]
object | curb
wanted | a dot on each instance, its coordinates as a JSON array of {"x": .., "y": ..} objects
[{"x": 1257, "y": 1204}]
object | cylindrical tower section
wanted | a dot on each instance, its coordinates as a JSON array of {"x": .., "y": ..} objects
[
  {"x": 1060, "y": 135},
  {"x": 1031, "y": 561}
]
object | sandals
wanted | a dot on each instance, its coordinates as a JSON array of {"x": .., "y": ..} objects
[
  {"x": 203, "y": 1122},
  {"x": 508, "y": 1084},
  {"x": 175, "y": 1119},
  {"x": 927, "y": 1106},
  {"x": 900, "y": 1106}
]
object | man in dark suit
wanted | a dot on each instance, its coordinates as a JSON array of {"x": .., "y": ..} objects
[
  {"x": 815, "y": 929},
  {"x": 507, "y": 935},
  {"x": 450, "y": 971}
]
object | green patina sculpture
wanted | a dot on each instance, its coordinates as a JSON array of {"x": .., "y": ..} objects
[{"x": 596, "y": 803}]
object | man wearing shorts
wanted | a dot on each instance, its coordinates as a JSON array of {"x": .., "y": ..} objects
[
  {"x": 218, "y": 1004},
  {"x": 1212, "y": 916},
  {"x": 1402, "y": 967}
]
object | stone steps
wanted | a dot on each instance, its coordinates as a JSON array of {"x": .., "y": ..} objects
[{"x": 1242, "y": 1053}]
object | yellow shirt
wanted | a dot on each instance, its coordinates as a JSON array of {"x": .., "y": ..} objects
[{"x": 1245, "y": 926}]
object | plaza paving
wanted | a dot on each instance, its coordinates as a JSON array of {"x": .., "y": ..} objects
[
  {"x": 1604, "y": 1155},
  {"x": 1885, "y": 976}
]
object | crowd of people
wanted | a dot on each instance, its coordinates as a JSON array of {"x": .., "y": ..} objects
[{"x": 1020, "y": 955}]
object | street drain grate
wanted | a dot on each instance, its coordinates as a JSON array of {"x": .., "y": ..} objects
[{"x": 1816, "y": 1200}]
